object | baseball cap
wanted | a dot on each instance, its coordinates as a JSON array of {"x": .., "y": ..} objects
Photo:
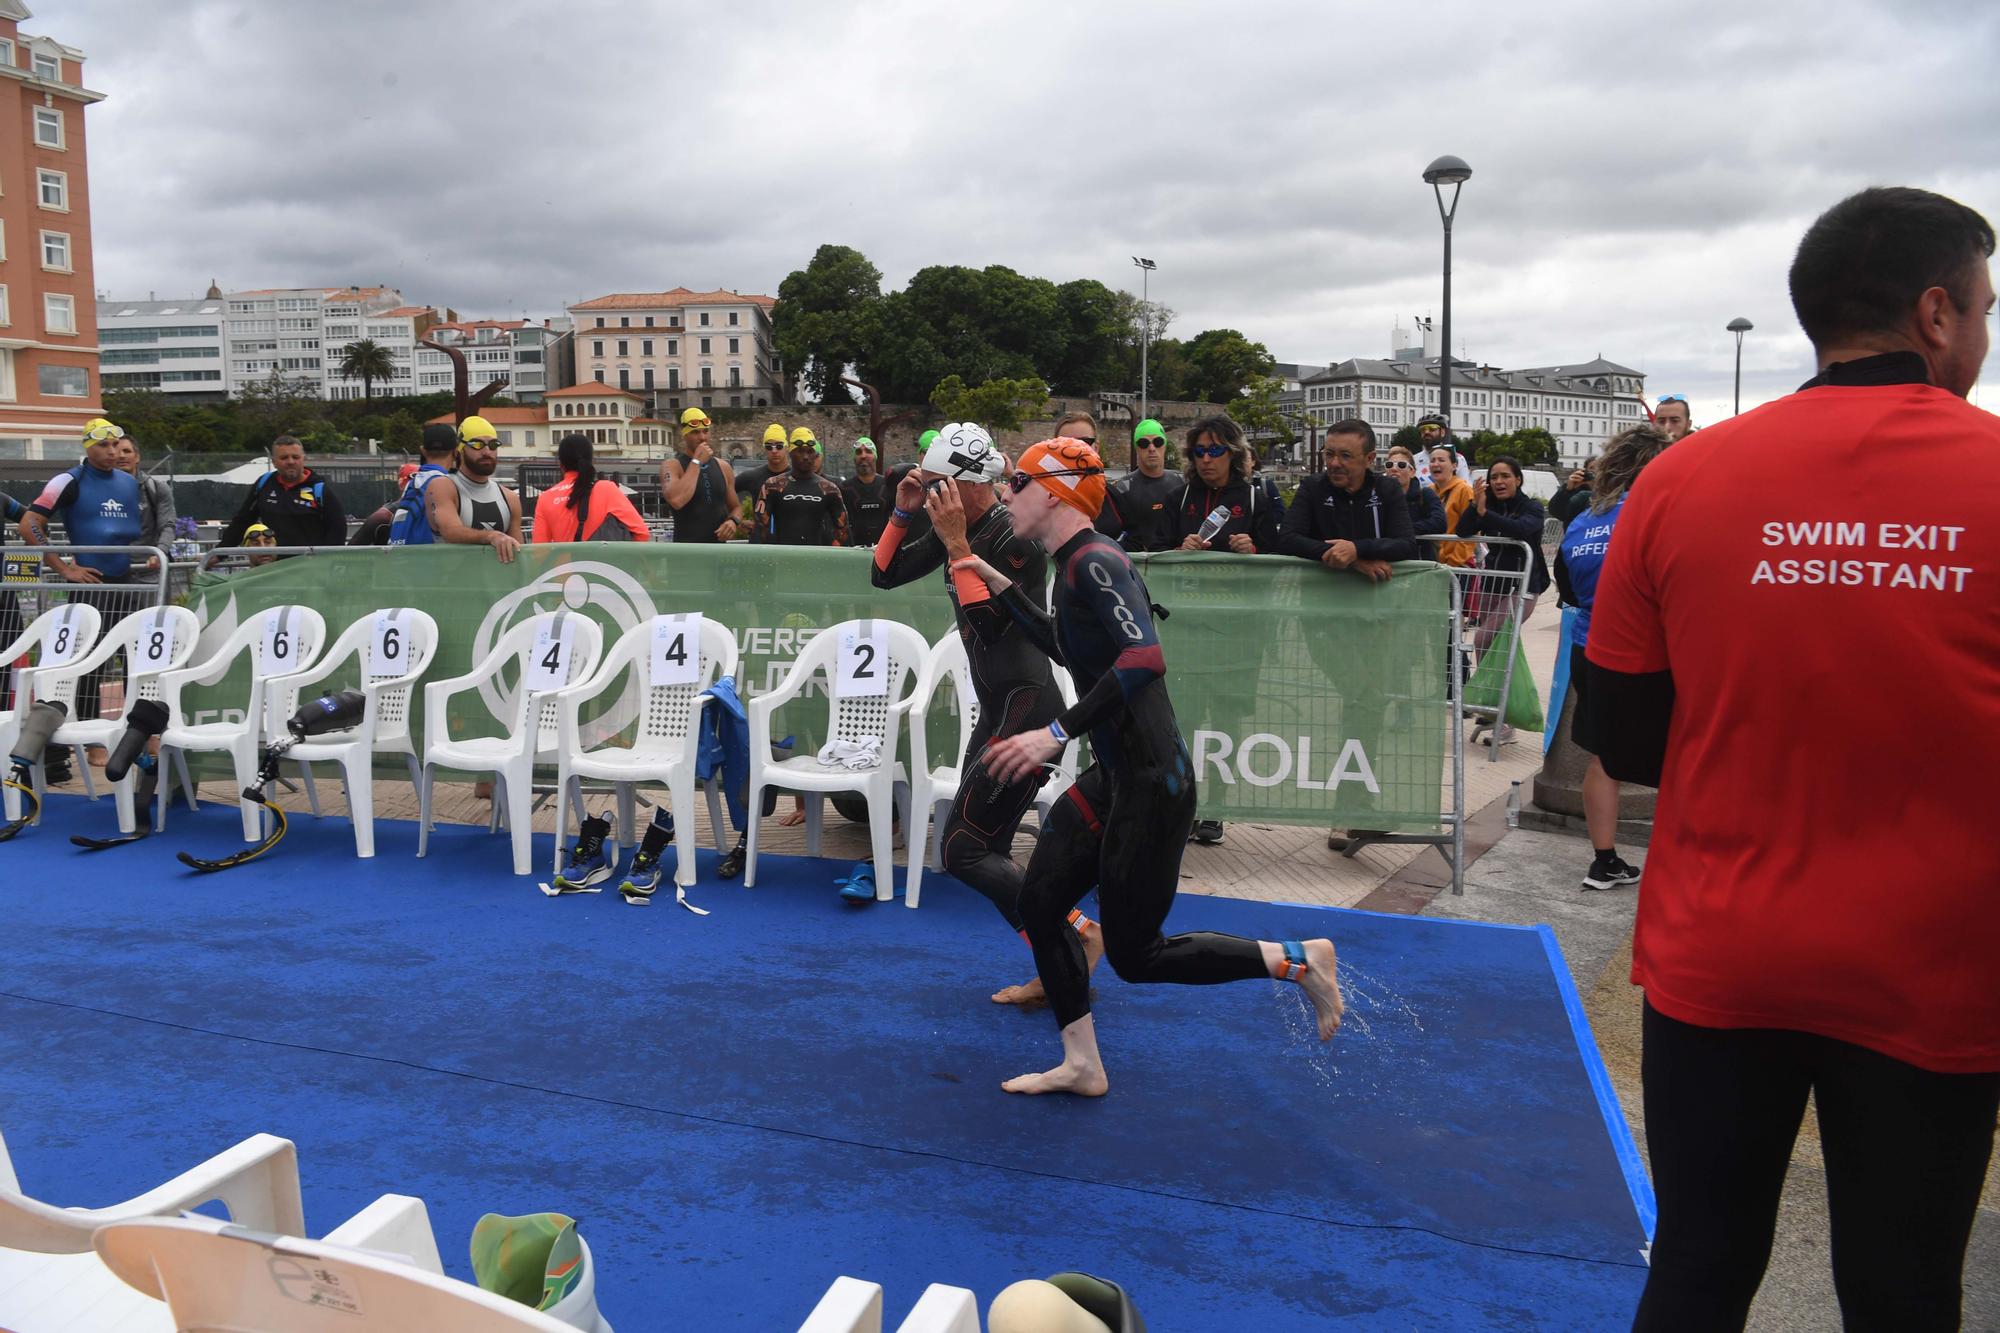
[
  {"x": 476, "y": 428},
  {"x": 440, "y": 438},
  {"x": 1071, "y": 470},
  {"x": 1147, "y": 429}
]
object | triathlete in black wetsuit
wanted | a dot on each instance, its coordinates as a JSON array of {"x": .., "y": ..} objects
[
  {"x": 1010, "y": 676},
  {"x": 1126, "y": 820},
  {"x": 1140, "y": 509},
  {"x": 801, "y": 508},
  {"x": 868, "y": 496},
  {"x": 699, "y": 490}
]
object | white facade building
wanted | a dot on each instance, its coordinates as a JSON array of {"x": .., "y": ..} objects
[
  {"x": 299, "y": 332},
  {"x": 172, "y": 347},
  {"x": 526, "y": 356},
  {"x": 681, "y": 348}
]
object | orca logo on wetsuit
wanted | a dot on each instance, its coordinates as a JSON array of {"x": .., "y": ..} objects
[{"x": 1127, "y": 624}]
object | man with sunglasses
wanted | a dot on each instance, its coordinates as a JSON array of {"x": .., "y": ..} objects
[
  {"x": 474, "y": 509},
  {"x": 801, "y": 508},
  {"x": 1674, "y": 416},
  {"x": 867, "y": 495},
  {"x": 1124, "y": 824},
  {"x": 953, "y": 488},
  {"x": 1139, "y": 511}
]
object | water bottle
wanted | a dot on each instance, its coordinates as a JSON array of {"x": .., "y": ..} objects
[
  {"x": 1213, "y": 524},
  {"x": 1514, "y": 803}
]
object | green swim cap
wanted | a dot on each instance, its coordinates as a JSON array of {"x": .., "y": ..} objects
[
  {"x": 1147, "y": 429},
  {"x": 924, "y": 440}
]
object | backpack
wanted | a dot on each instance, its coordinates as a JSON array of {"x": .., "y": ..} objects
[{"x": 410, "y": 519}]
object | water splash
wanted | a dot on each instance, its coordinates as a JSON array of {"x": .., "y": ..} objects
[{"x": 1377, "y": 1016}]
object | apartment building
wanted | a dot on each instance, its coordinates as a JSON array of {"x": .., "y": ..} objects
[
  {"x": 170, "y": 347},
  {"x": 527, "y": 357},
  {"x": 681, "y": 348},
  {"x": 300, "y": 332},
  {"x": 615, "y": 420},
  {"x": 48, "y": 314}
]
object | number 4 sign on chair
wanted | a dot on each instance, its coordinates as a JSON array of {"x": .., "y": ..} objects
[
  {"x": 676, "y": 649},
  {"x": 862, "y": 668},
  {"x": 548, "y": 661}
]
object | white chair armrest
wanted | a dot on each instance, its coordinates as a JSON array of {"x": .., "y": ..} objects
[
  {"x": 436, "y": 694},
  {"x": 258, "y": 1180},
  {"x": 849, "y": 1306},
  {"x": 394, "y": 1224},
  {"x": 943, "y": 1309}
]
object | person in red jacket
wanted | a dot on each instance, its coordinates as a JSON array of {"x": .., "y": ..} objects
[
  {"x": 1820, "y": 914},
  {"x": 583, "y": 506}
]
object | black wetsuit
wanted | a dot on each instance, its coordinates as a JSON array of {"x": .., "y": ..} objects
[
  {"x": 868, "y": 505},
  {"x": 1016, "y": 691},
  {"x": 1139, "y": 511},
  {"x": 1125, "y": 822},
  {"x": 697, "y": 520}
]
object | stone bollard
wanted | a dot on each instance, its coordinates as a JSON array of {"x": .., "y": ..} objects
[{"x": 1558, "y": 795}]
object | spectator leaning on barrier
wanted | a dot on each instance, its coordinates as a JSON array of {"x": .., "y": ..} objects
[
  {"x": 1579, "y": 561},
  {"x": 584, "y": 507},
  {"x": 1819, "y": 915},
  {"x": 410, "y": 524},
  {"x": 473, "y": 509},
  {"x": 1139, "y": 510},
  {"x": 1218, "y": 477},
  {"x": 291, "y": 501},
  {"x": 99, "y": 504},
  {"x": 1426, "y": 508},
  {"x": 1349, "y": 516},
  {"x": 1673, "y": 416},
  {"x": 867, "y": 495},
  {"x": 1500, "y": 508},
  {"x": 374, "y": 530},
  {"x": 699, "y": 488},
  {"x": 801, "y": 508}
]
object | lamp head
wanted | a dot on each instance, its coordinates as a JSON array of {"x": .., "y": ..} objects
[
  {"x": 1447, "y": 170},
  {"x": 1739, "y": 325}
]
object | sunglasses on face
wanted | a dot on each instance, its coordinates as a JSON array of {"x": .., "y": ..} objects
[
  {"x": 1209, "y": 450},
  {"x": 1153, "y": 442},
  {"x": 1399, "y": 465}
]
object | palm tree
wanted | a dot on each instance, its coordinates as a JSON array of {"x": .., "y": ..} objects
[{"x": 366, "y": 361}]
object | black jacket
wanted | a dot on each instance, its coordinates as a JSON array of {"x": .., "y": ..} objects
[
  {"x": 1521, "y": 518},
  {"x": 308, "y": 514},
  {"x": 1567, "y": 503},
  {"x": 1426, "y": 510},
  {"x": 1375, "y": 518},
  {"x": 1139, "y": 511},
  {"x": 1249, "y": 509}
]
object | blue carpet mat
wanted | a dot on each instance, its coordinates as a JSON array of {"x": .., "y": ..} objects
[{"x": 740, "y": 1107}]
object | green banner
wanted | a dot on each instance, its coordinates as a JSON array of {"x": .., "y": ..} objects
[{"x": 1305, "y": 696}]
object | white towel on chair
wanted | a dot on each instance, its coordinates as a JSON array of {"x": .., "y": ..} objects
[{"x": 852, "y": 754}]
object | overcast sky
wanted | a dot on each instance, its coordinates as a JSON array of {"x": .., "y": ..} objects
[{"x": 1642, "y": 171}]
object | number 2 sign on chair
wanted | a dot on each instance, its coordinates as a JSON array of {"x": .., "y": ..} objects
[
  {"x": 676, "y": 649},
  {"x": 549, "y": 659},
  {"x": 861, "y": 671}
]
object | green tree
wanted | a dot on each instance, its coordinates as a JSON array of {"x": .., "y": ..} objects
[
  {"x": 275, "y": 406},
  {"x": 1487, "y": 445},
  {"x": 1410, "y": 437},
  {"x": 1532, "y": 444},
  {"x": 978, "y": 324},
  {"x": 826, "y": 319},
  {"x": 1096, "y": 330},
  {"x": 1169, "y": 374},
  {"x": 996, "y": 404},
  {"x": 367, "y": 361},
  {"x": 1222, "y": 361},
  {"x": 1257, "y": 411}
]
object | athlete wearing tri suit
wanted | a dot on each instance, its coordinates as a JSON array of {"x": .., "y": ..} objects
[
  {"x": 708, "y": 498},
  {"x": 868, "y": 505},
  {"x": 1125, "y": 822},
  {"x": 98, "y": 507},
  {"x": 802, "y": 508},
  {"x": 1010, "y": 676},
  {"x": 482, "y": 504},
  {"x": 1140, "y": 512}
]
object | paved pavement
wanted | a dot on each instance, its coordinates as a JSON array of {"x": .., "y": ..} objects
[{"x": 1518, "y": 876}]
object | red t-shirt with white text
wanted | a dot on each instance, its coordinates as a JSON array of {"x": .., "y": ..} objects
[{"x": 1824, "y": 857}]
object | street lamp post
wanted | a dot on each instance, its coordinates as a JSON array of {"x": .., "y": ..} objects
[
  {"x": 1739, "y": 326},
  {"x": 1452, "y": 171},
  {"x": 1146, "y": 267}
]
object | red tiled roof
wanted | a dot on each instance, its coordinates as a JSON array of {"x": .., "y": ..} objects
[
  {"x": 402, "y": 310},
  {"x": 679, "y": 296},
  {"x": 588, "y": 389},
  {"x": 463, "y": 324}
]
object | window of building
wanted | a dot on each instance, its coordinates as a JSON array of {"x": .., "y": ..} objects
[
  {"x": 707, "y": 400},
  {"x": 624, "y": 321},
  {"x": 6, "y": 375},
  {"x": 733, "y": 348},
  {"x": 704, "y": 324},
  {"x": 64, "y": 381},
  {"x": 600, "y": 377},
  {"x": 673, "y": 321},
  {"x": 7, "y": 59},
  {"x": 624, "y": 347},
  {"x": 54, "y": 187},
  {"x": 732, "y": 317},
  {"x": 673, "y": 344},
  {"x": 704, "y": 346},
  {"x": 597, "y": 347},
  {"x": 736, "y": 400},
  {"x": 645, "y": 347},
  {"x": 674, "y": 380},
  {"x": 6, "y": 318},
  {"x": 48, "y": 67},
  {"x": 736, "y": 377},
  {"x": 600, "y": 321},
  {"x": 648, "y": 382},
  {"x": 55, "y": 251},
  {"x": 707, "y": 380},
  {"x": 59, "y": 313},
  {"x": 624, "y": 378}
]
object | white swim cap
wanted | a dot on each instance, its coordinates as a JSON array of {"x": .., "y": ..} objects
[{"x": 964, "y": 452}]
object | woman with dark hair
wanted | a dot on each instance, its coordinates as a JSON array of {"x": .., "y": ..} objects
[
  {"x": 1500, "y": 508},
  {"x": 1426, "y": 509},
  {"x": 1579, "y": 560},
  {"x": 1218, "y": 477},
  {"x": 584, "y": 506}
]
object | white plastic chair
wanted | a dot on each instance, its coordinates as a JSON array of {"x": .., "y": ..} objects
[
  {"x": 217, "y": 1277},
  {"x": 932, "y": 790},
  {"x": 853, "y": 1306},
  {"x": 407, "y": 644},
  {"x": 55, "y": 636},
  {"x": 855, "y": 718},
  {"x": 281, "y": 641},
  {"x": 529, "y": 719},
  {"x": 145, "y": 675},
  {"x": 49, "y": 1276},
  {"x": 664, "y": 747}
]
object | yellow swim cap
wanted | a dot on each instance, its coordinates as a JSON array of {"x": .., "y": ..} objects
[
  {"x": 774, "y": 434},
  {"x": 694, "y": 419},
  {"x": 473, "y": 429}
]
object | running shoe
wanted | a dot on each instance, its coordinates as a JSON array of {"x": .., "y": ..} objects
[
  {"x": 642, "y": 879},
  {"x": 1610, "y": 874},
  {"x": 587, "y": 865},
  {"x": 1207, "y": 832}
]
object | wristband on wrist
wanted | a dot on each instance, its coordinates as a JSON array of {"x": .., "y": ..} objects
[
  {"x": 1055, "y": 730},
  {"x": 902, "y": 516}
]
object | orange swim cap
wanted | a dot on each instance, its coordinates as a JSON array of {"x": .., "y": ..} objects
[{"x": 1070, "y": 469}]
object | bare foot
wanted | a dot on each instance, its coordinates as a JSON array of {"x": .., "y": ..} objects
[
  {"x": 793, "y": 820},
  {"x": 1321, "y": 986},
  {"x": 1028, "y": 994},
  {"x": 482, "y": 791},
  {"x": 1080, "y": 1080}
]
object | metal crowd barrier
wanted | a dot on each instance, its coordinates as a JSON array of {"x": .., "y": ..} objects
[{"x": 28, "y": 587}]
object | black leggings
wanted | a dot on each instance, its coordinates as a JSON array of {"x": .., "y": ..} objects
[
  {"x": 1125, "y": 835},
  {"x": 977, "y": 841},
  {"x": 1906, "y": 1152}
]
